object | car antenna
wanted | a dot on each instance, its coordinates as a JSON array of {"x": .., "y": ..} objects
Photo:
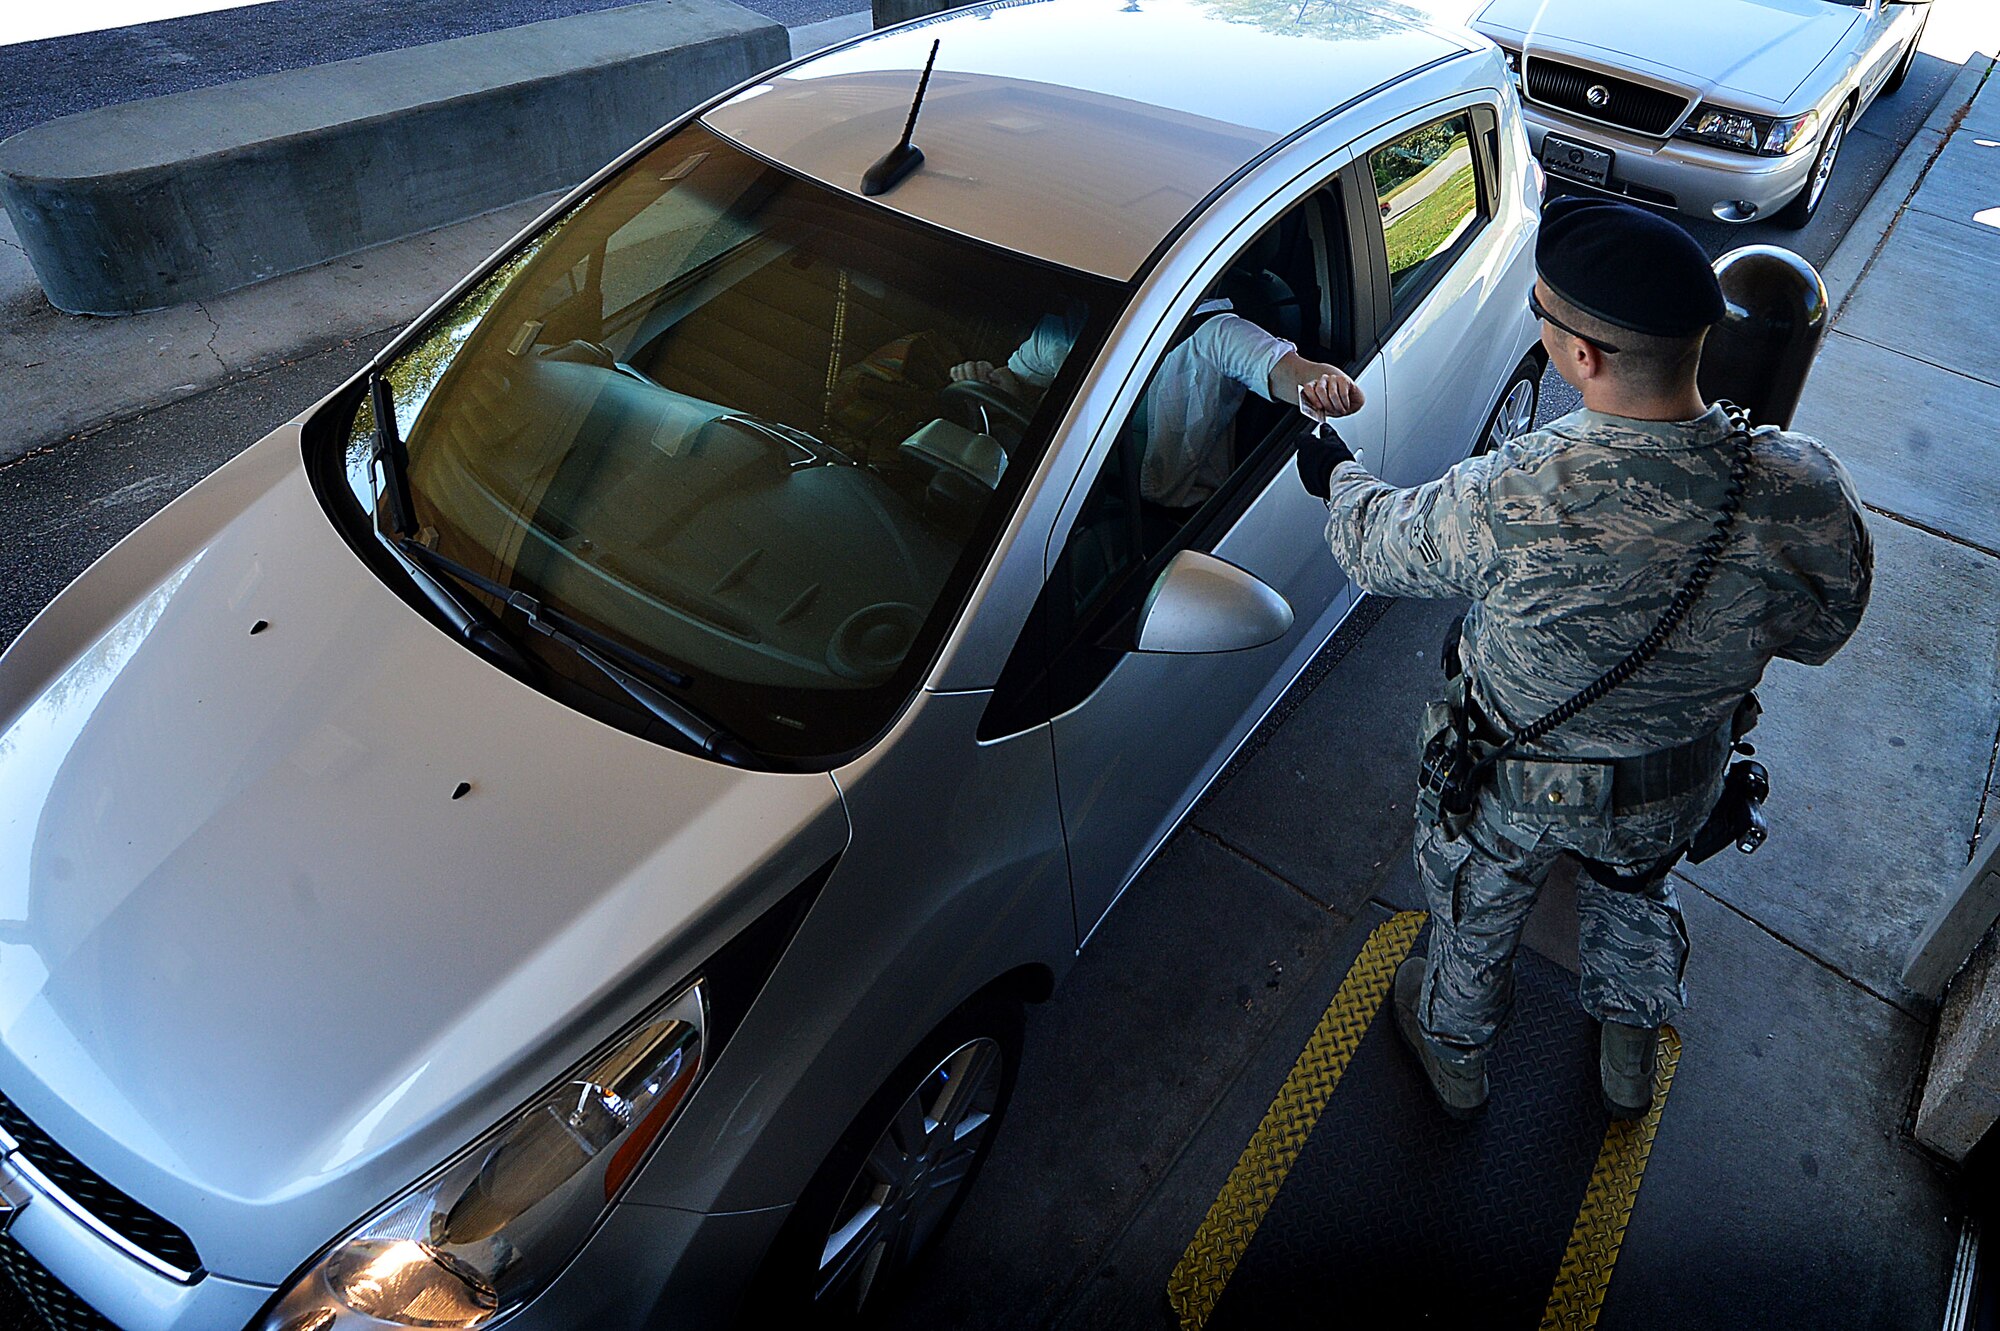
[{"x": 905, "y": 157}]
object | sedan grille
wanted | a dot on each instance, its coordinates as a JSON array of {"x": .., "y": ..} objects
[
  {"x": 1634, "y": 106},
  {"x": 58, "y": 1308},
  {"x": 138, "y": 1225}
]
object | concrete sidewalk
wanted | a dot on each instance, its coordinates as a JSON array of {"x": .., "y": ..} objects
[{"x": 1783, "y": 1188}]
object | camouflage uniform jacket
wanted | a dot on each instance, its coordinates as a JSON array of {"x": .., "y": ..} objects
[{"x": 1571, "y": 541}]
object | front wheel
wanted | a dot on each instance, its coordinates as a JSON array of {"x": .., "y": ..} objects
[
  {"x": 898, "y": 1176},
  {"x": 1514, "y": 415},
  {"x": 1806, "y": 202}
]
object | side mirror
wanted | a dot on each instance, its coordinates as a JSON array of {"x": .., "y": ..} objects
[{"x": 1204, "y": 604}]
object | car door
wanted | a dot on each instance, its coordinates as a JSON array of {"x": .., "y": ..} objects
[
  {"x": 1137, "y": 734},
  {"x": 1880, "y": 44},
  {"x": 1448, "y": 330}
]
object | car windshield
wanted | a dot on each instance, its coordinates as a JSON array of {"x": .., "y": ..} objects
[{"x": 711, "y": 412}]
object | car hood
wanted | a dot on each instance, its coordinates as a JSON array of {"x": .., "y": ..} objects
[
  {"x": 258, "y": 967},
  {"x": 1772, "y": 46}
]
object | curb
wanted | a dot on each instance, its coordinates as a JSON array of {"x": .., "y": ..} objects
[
  {"x": 172, "y": 355},
  {"x": 1870, "y": 231},
  {"x": 145, "y": 205}
]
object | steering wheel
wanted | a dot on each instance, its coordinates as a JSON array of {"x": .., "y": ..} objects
[{"x": 974, "y": 399}]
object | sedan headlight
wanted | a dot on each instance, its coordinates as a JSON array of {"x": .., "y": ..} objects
[
  {"x": 1750, "y": 133},
  {"x": 485, "y": 1233}
]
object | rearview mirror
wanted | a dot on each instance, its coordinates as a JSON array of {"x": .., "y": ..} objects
[{"x": 1205, "y": 604}]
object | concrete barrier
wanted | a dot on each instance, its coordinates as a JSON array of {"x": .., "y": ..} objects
[
  {"x": 1961, "y": 1093},
  {"x": 888, "y": 13},
  {"x": 154, "y": 203}
]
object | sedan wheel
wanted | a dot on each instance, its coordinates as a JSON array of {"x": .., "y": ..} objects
[
  {"x": 912, "y": 1178},
  {"x": 1801, "y": 209}
]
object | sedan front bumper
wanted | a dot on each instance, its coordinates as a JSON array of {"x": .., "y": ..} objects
[{"x": 1676, "y": 173}]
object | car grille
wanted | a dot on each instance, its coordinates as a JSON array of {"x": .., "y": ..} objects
[
  {"x": 58, "y": 1308},
  {"x": 141, "y": 1227},
  {"x": 1631, "y": 105}
]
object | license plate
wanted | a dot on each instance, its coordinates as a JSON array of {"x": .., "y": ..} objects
[{"x": 1576, "y": 161}]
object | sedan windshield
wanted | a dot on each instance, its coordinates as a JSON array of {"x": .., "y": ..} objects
[{"x": 741, "y": 423}]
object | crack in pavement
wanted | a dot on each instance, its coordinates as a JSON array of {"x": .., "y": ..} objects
[
  {"x": 1902, "y": 1005},
  {"x": 1985, "y": 798},
  {"x": 214, "y": 331},
  {"x": 1230, "y": 848},
  {"x": 1929, "y": 530}
]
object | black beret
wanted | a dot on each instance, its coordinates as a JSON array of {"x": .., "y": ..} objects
[{"x": 1627, "y": 266}]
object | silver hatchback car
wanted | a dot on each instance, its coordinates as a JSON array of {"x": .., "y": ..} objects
[{"x": 562, "y": 832}]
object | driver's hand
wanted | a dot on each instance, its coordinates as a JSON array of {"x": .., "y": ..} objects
[
  {"x": 1324, "y": 388},
  {"x": 986, "y": 372}
]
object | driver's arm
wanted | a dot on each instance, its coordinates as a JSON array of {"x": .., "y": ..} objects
[{"x": 1033, "y": 366}]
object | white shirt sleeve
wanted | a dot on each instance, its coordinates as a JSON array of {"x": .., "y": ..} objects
[
  {"x": 1042, "y": 355},
  {"x": 1241, "y": 350}
]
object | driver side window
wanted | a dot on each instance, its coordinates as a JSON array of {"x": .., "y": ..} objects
[
  {"x": 1201, "y": 443},
  {"x": 1205, "y": 419}
]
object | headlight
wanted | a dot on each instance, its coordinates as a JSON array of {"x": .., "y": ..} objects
[
  {"x": 1788, "y": 136},
  {"x": 484, "y": 1234},
  {"x": 1750, "y": 133},
  {"x": 1513, "y": 64}
]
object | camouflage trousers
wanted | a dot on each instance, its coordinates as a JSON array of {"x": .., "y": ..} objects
[{"x": 1632, "y": 946}]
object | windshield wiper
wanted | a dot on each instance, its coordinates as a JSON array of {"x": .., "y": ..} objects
[
  {"x": 393, "y": 457},
  {"x": 596, "y": 650},
  {"x": 474, "y": 624}
]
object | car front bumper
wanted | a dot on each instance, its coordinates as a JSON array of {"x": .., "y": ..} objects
[
  {"x": 644, "y": 1266},
  {"x": 1693, "y": 178}
]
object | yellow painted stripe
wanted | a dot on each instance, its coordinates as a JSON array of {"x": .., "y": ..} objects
[
  {"x": 1197, "y": 1282},
  {"x": 1585, "y": 1273}
]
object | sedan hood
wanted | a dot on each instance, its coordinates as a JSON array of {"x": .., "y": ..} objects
[
  {"x": 259, "y": 966},
  {"x": 1763, "y": 48}
]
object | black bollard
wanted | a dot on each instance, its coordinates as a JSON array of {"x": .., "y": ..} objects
[{"x": 1759, "y": 355}]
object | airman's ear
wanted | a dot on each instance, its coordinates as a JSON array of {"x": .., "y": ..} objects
[{"x": 1590, "y": 363}]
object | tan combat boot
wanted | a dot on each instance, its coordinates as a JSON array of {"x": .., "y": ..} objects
[
  {"x": 1460, "y": 1088},
  {"x": 1626, "y": 1057}
]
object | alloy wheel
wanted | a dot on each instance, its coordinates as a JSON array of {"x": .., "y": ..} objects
[
  {"x": 1824, "y": 171},
  {"x": 911, "y": 1178},
  {"x": 1515, "y": 415}
]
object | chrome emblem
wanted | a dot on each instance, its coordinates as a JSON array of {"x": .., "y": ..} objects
[{"x": 1598, "y": 96}]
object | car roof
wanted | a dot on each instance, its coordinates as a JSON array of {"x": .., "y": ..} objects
[{"x": 1079, "y": 131}]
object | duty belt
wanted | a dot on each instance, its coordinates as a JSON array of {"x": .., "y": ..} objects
[{"x": 1641, "y": 779}]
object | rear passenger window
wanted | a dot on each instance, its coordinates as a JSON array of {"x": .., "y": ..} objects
[{"x": 1427, "y": 191}]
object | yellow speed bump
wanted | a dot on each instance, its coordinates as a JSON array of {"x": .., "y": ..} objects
[
  {"x": 1197, "y": 1282},
  {"x": 1584, "y": 1274}
]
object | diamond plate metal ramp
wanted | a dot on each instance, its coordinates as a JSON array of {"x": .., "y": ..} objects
[{"x": 1357, "y": 1197}]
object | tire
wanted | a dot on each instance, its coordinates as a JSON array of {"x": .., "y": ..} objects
[
  {"x": 1806, "y": 202},
  {"x": 1903, "y": 66},
  {"x": 811, "y": 1278},
  {"x": 1514, "y": 413}
]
